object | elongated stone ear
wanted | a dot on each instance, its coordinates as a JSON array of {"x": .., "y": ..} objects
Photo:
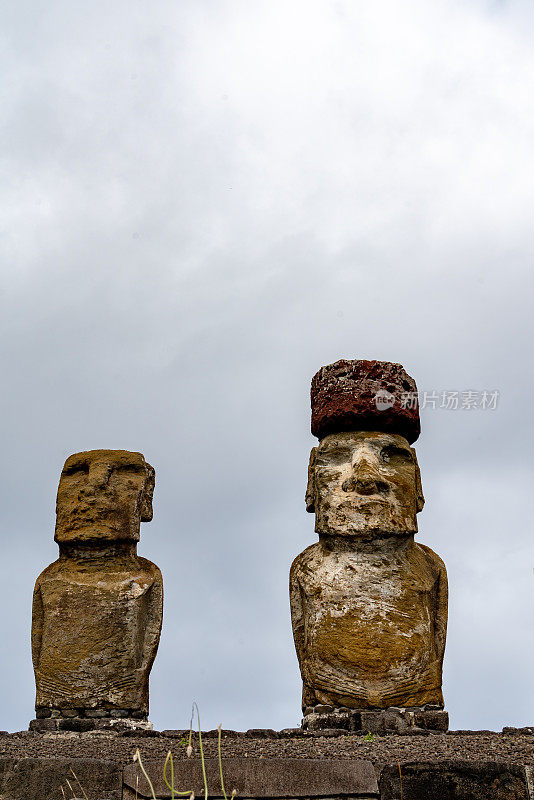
[
  {"x": 310, "y": 489},
  {"x": 148, "y": 493},
  {"x": 420, "y": 498}
]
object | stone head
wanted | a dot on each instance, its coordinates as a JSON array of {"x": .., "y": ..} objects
[
  {"x": 103, "y": 496},
  {"x": 363, "y": 477},
  {"x": 364, "y": 482}
]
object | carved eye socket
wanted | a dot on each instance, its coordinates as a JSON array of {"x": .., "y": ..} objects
[
  {"x": 76, "y": 469},
  {"x": 333, "y": 455},
  {"x": 393, "y": 454},
  {"x": 135, "y": 469}
]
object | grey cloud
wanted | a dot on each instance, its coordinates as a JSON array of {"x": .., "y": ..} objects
[{"x": 201, "y": 207}]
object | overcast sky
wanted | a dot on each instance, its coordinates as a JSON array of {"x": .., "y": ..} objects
[{"x": 201, "y": 203}]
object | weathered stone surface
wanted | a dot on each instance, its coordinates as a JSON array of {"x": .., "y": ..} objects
[
  {"x": 43, "y": 725},
  {"x": 41, "y": 779},
  {"x": 291, "y": 733},
  {"x": 368, "y": 604},
  {"x": 364, "y": 482},
  {"x": 369, "y": 621},
  {"x": 454, "y": 780},
  {"x": 388, "y": 721},
  {"x": 431, "y": 720},
  {"x": 77, "y": 724},
  {"x": 517, "y": 731},
  {"x": 103, "y": 495},
  {"x": 341, "y": 720},
  {"x": 85, "y": 724},
  {"x": 97, "y": 610},
  {"x": 343, "y": 398},
  {"x": 260, "y": 777}
]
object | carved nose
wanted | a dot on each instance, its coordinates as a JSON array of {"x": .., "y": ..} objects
[
  {"x": 97, "y": 479},
  {"x": 364, "y": 480},
  {"x": 366, "y": 486}
]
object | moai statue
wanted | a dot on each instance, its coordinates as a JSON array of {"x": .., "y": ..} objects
[
  {"x": 368, "y": 604},
  {"x": 97, "y": 610}
]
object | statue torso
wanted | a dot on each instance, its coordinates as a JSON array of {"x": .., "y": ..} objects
[
  {"x": 94, "y": 619},
  {"x": 369, "y": 624}
]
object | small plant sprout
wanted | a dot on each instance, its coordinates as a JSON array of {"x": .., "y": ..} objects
[
  {"x": 137, "y": 757},
  {"x": 189, "y": 751},
  {"x": 168, "y": 767},
  {"x": 200, "y": 747},
  {"x": 170, "y": 785},
  {"x": 369, "y": 737}
]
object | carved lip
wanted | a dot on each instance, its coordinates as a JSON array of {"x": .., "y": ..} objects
[{"x": 375, "y": 501}]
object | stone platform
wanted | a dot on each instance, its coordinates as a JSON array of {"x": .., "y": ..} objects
[
  {"x": 260, "y": 763},
  {"x": 429, "y": 718},
  {"x": 84, "y": 720}
]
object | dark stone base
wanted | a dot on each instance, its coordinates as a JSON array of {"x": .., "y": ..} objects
[
  {"x": 47, "y": 712},
  {"x": 24, "y": 778},
  {"x": 455, "y": 780},
  {"x": 83, "y": 724},
  {"x": 41, "y": 778},
  {"x": 428, "y": 719},
  {"x": 253, "y": 777}
]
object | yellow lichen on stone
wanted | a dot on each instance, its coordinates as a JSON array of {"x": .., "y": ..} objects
[
  {"x": 97, "y": 610},
  {"x": 368, "y": 604}
]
